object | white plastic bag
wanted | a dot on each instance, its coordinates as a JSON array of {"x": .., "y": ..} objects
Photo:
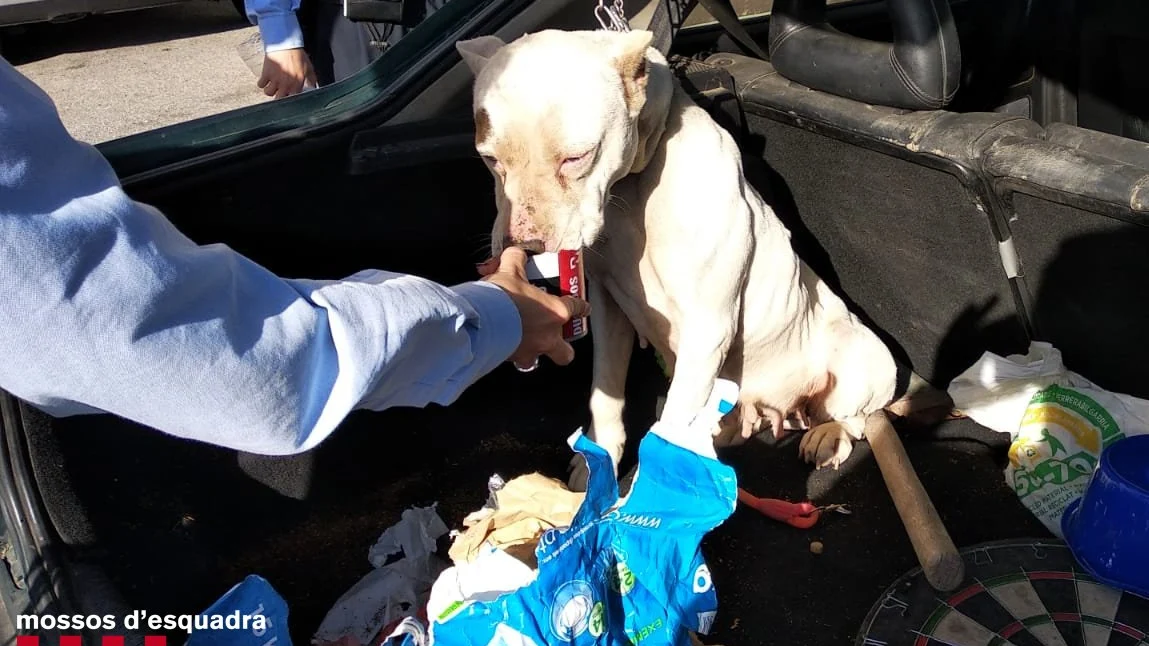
[
  {"x": 390, "y": 591},
  {"x": 1058, "y": 422},
  {"x": 492, "y": 574}
]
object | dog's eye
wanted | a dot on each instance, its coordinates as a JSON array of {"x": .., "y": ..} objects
[
  {"x": 491, "y": 160},
  {"x": 571, "y": 162}
]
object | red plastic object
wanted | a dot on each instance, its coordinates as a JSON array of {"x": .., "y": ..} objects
[{"x": 802, "y": 515}]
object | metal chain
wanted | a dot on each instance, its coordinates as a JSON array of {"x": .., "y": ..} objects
[{"x": 611, "y": 17}]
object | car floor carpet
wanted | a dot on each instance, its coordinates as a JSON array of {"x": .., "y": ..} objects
[{"x": 176, "y": 524}]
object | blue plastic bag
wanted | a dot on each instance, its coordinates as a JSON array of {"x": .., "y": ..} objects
[
  {"x": 253, "y": 614},
  {"x": 618, "y": 575}
]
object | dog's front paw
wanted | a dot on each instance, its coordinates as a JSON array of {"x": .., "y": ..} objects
[
  {"x": 578, "y": 474},
  {"x": 826, "y": 445}
]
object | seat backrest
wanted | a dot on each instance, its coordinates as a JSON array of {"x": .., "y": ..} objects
[
  {"x": 1077, "y": 202},
  {"x": 889, "y": 206}
]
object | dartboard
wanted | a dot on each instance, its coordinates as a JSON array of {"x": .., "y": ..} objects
[{"x": 1015, "y": 594}]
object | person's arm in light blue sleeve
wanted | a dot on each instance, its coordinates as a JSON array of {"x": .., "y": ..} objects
[
  {"x": 107, "y": 307},
  {"x": 277, "y": 22}
]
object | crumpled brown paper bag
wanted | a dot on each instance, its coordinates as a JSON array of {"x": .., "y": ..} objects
[{"x": 527, "y": 506}]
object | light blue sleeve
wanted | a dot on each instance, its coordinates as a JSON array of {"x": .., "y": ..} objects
[
  {"x": 105, "y": 306},
  {"x": 277, "y": 22}
]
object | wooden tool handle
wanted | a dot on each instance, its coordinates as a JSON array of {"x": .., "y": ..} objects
[{"x": 936, "y": 552}]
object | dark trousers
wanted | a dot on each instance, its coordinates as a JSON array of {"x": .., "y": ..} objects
[{"x": 338, "y": 47}]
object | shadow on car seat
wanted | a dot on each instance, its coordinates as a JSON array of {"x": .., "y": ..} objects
[{"x": 1078, "y": 208}]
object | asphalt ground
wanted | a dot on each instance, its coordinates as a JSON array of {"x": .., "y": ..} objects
[{"x": 119, "y": 74}]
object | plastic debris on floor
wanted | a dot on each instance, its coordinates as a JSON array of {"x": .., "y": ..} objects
[
  {"x": 1059, "y": 423},
  {"x": 405, "y": 567},
  {"x": 539, "y": 564},
  {"x": 623, "y": 570}
]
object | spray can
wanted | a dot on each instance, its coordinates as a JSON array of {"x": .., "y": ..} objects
[{"x": 561, "y": 273}]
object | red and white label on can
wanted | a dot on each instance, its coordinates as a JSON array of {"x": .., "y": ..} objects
[
  {"x": 561, "y": 274},
  {"x": 572, "y": 282}
]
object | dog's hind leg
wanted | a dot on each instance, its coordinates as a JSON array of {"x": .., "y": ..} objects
[
  {"x": 863, "y": 380},
  {"x": 613, "y": 336}
]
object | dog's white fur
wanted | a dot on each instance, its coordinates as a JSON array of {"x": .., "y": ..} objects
[{"x": 594, "y": 145}]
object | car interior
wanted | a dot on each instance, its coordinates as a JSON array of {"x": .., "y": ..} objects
[{"x": 970, "y": 175}]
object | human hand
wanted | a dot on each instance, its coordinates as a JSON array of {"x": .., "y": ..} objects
[
  {"x": 542, "y": 314},
  {"x": 285, "y": 72}
]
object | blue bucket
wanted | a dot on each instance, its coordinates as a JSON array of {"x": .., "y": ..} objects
[{"x": 1107, "y": 528}]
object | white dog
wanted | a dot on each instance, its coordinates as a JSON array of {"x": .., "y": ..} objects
[{"x": 595, "y": 146}]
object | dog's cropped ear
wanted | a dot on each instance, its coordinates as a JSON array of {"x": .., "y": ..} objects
[
  {"x": 630, "y": 58},
  {"x": 477, "y": 51}
]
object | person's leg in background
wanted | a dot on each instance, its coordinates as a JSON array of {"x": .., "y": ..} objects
[
  {"x": 317, "y": 39},
  {"x": 343, "y": 47},
  {"x": 347, "y": 46}
]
